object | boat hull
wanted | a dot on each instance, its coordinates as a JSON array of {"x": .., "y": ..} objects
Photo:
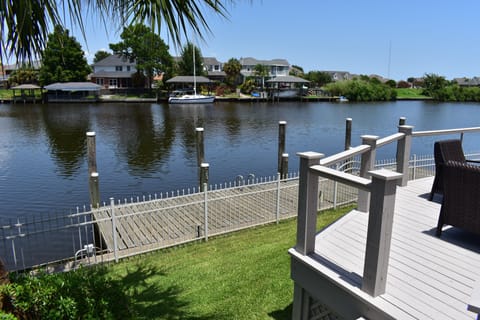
[{"x": 196, "y": 99}]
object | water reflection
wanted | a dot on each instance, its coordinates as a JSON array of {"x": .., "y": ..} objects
[{"x": 65, "y": 128}]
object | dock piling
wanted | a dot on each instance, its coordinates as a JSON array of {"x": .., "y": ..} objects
[{"x": 281, "y": 142}]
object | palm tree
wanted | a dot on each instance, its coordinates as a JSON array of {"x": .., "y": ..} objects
[
  {"x": 25, "y": 24},
  {"x": 261, "y": 71}
]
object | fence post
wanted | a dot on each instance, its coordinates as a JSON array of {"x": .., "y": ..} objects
[
  {"x": 403, "y": 153},
  {"x": 205, "y": 209},
  {"x": 114, "y": 229},
  {"x": 279, "y": 177},
  {"x": 367, "y": 164},
  {"x": 414, "y": 174},
  {"x": 281, "y": 143},
  {"x": 307, "y": 203},
  {"x": 379, "y": 233}
]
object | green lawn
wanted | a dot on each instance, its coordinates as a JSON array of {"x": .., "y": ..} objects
[
  {"x": 410, "y": 93},
  {"x": 244, "y": 275}
]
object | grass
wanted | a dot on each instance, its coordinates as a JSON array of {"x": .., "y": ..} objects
[
  {"x": 244, "y": 275},
  {"x": 410, "y": 93}
]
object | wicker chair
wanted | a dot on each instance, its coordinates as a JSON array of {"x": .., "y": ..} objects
[
  {"x": 461, "y": 197},
  {"x": 444, "y": 151}
]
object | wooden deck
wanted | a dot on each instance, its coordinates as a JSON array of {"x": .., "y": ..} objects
[{"x": 428, "y": 277}]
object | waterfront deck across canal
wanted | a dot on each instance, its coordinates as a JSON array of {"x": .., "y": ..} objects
[{"x": 428, "y": 277}]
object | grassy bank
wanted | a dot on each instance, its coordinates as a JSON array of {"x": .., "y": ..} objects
[
  {"x": 245, "y": 275},
  {"x": 410, "y": 93}
]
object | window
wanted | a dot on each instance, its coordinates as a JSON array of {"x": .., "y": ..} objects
[
  {"x": 112, "y": 83},
  {"x": 128, "y": 68},
  {"x": 118, "y": 68},
  {"x": 100, "y": 81}
]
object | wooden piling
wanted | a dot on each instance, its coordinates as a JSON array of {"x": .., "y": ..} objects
[
  {"x": 203, "y": 175},
  {"x": 348, "y": 133},
  {"x": 94, "y": 190},
  {"x": 281, "y": 143},
  {"x": 284, "y": 166},
  {"x": 200, "y": 146},
  {"x": 91, "y": 153}
]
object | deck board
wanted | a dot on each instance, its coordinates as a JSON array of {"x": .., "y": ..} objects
[{"x": 428, "y": 277}]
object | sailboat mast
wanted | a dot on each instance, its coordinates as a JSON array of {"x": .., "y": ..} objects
[{"x": 194, "y": 75}]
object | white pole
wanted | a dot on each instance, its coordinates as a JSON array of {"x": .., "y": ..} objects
[
  {"x": 278, "y": 196},
  {"x": 114, "y": 229},
  {"x": 205, "y": 192}
]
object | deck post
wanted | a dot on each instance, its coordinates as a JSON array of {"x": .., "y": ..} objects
[
  {"x": 284, "y": 166},
  {"x": 367, "y": 164},
  {"x": 403, "y": 153},
  {"x": 281, "y": 143},
  {"x": 307, "y": 203},
  {"x": 379, "y": 234},
  {"x": 94, "y": 190},
  {"x": 200, "y": 146},
  {"x": 114, "y": 228},
  {"x": 91, "y": 153}
]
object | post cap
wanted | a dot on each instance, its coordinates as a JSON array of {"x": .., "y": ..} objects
[
  {"x": 91, "y": 134},
  {"x": 282, "y": 122},
  {"x": 204, "y": 165},
  {"x": 385, "y": 174},
  {"x": 198, "y": 129},
  {"x": 284, "y": 155},
  {"x": 310, "y": 155}
]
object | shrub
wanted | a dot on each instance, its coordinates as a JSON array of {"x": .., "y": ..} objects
[{"x": 79, "y": 294}]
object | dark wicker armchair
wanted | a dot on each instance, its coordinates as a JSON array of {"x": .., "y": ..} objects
[
  {"x": 461, "y": 197},
  {"x": 444, "y": 151}
]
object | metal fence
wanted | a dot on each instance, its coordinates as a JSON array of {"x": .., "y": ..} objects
[{"x": 126, "y": 227}]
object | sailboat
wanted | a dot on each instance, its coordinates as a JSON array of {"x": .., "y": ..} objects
[{"x": 191, "y": 98}]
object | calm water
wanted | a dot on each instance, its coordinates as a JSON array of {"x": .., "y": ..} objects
[{"x": 150, "y": 148}]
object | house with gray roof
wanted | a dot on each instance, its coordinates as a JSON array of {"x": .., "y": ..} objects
[
  {"x": 468, "y": 82},
  {"x": 213, "y": 67},
  {"x": 277, "y": 67},
  {"x": 113, "y": 72}
]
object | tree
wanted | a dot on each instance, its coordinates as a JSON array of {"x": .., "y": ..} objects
[
  {"x": 23, "y": 75},
  {"x": 261, "y": 71},
  {"x": 63, "y": 59},
  {"x": 232, "y": 68},
  {"x": 100, "y": 55},
  {"x": 185, "y": 65},
  {"x": 319, "y": 78},
  {"x": 433, "y": 83},
  {"x": 139, "y": 43},
  {"x": 25, "y": 24}
]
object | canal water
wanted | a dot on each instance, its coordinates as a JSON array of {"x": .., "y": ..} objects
[{"x": 150, "y": 148}]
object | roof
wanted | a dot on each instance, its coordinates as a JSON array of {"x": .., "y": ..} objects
[
  {"x": 112, "y": 74},
  {"x": 249, "y": 61},
  {"x": 114, "y": 60},
  {"x": 188, "y": 79},
  {"x": 74, "y": 86},
  {"x": 211, "y": 61},
  {"x": 26, "y": 86},
  {"x": 287, "y": 79}
]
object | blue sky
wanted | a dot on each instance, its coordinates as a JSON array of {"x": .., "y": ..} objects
[{"x": 395, "y": 39}]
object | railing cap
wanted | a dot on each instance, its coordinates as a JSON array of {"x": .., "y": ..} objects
[
  {"x": 310, "y": 155},
  {"x": 385, "y": 174},
  {"x": 369, "y": 137}
]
